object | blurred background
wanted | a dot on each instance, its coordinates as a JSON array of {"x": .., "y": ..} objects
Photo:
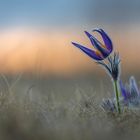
[
  {"x": 49, "y": 89},
  {"x": 36, "y": 35}
]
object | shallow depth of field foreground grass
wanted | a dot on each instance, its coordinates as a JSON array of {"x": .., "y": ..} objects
[{"x": 39, "y": 109}]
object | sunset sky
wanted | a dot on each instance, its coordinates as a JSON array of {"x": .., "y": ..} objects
[{"x": 36, "y": 35}]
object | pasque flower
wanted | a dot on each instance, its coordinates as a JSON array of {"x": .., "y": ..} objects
[
  {"x": 130, "y": 93},
  {"x": 100, "y": 51},
  {"x": 111, "y": 64}
]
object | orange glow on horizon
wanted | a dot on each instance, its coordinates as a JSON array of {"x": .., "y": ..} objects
[{"x": 51, "y": 52}]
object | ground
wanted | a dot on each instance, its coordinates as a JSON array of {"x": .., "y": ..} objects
[{"x": 33, "y": 108}]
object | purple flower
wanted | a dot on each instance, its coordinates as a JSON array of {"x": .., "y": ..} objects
[
  {"x": 130, "y": 93},
  {"x": 100, "y": 51}
]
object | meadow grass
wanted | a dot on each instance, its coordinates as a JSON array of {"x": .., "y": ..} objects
[{"x": 28, "y": 114}]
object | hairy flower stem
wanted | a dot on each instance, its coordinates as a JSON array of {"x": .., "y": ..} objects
[{"x": 117, "y": 95}]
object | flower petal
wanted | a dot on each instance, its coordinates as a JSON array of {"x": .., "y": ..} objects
[
  {"x": 91, "y": 37},
  {"x": 123, "y": 90},
  {"x": 97, "y": 45},
  {"x": 106, "y": 39},
  {"x": 93, "y": 54},
  {"x": 133, "y": 87}
]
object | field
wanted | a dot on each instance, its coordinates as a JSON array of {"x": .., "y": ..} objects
[{"x": 38, "y": 108}]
